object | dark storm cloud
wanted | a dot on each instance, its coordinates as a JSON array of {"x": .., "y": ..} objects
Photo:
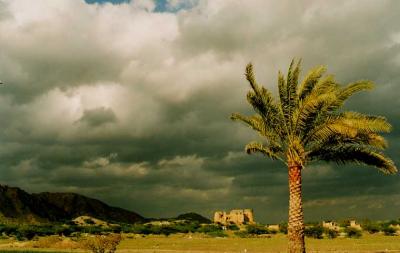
[
  {"x": 132, "y": 106},
  {"x": 98, "y": 116}
]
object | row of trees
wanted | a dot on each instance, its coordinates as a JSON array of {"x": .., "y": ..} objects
[
  {"x": 320, "y": 232},
  {"x": 28, "y": 232},
  {"x": 315, "y": 230}
]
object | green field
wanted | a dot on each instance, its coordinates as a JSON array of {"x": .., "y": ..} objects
[{"x": 200, "y": 244}]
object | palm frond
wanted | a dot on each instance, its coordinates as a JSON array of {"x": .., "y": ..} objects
[
  {"x": 354, "y": 153},
  {"x": 316, "y": 105},
  {"x": 291, "y": 87},
  {"x": 282, "y": 88},
  {"x": 342, "y": 94},
  {"x": 263, "y": 103},
  {"x": 250, "y": 76},
  {"x": 308, "y": 111},
  {"x": 348, "y": 125},
  {"x": 362, "y": 122},
  {"x": 310, "y": 80},
  {"x": 254, "y": 147},
  {"x": 325, "y": 84},
  {"x": 367, "y": 140},
  {"x": 355, "y": 87},
  {"x": 257, "y": 123}
]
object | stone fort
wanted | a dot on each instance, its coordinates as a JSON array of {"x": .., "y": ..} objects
[{"x": 237, "y": 216}]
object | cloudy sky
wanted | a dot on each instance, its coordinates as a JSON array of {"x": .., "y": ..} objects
[{"x": 129, "y": 101}]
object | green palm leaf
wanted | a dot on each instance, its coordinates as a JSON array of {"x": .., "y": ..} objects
[
  {"x": 354, "y": 153},
  {"x": 306, "y": 117},
  {"x": 271, "y": 152}
]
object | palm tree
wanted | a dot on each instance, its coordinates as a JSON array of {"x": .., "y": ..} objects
[{"x": 306, "y": 124}]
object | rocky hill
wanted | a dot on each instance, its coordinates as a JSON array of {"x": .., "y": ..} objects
[
  {"x": 19, "y": 206},
  {"x": 194, "y": 217}
]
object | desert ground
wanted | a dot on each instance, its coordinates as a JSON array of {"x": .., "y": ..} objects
[{"x": 199, "y": 244}]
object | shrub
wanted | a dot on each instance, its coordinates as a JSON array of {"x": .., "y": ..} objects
[
  {"x": 92, "y": 230},
  {"x": 256, "y": 230},
  {"x": 89, "y": 221},
  {"x": 167, "y": 230},
  {"x": 217, "y": 233},
  {"x": 394, "y": 222},
  {"x": 102, "y": 243},
  {"x": 371, "y": 227},
  {"x": 283, "y": 227},
  {"x": 8, "y": 229},
  {"x": 45, "y": 230},
  {"x": 25, "y": 233},
  {"x": 46, "y": 242},
  {"x": 155, "y": 229},
  {"x": 141, "y": 229},
  {"x": 273, "y": 231},
  {"x": 70, "y": 222},
  {"x": 353, "y": 232},
  {"x": 331, "y": 233},
  {"x": 127, "y": 228},
  {"x": 185, "y": 227},
  {"x": 233, "y": 227},
  {"x": 241, "y": 234},
  {"x": 314, "y": 232},
  {"x": 389, "y": 231},
  {"x": 344, "y": 223},
  {"x": 209, "y": 228},
  {"x": 115, "y": 229}
]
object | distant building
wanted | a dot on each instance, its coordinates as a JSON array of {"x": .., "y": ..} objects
[
  {"x": 396, "y": 227},
  {"x": 237, "y": 216},
  {"x": 274, "y": 227},
  {"x": 354, "y": 224},
  {"x": 330, "y": 225}
]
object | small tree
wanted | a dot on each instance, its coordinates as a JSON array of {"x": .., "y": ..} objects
[
  {"x": 314, "y": 232},
  {"x": 389, "y": 231},
  {"x": 102, "y": 243},
  {"x": 371, "y": 227},
  {"x": 331, "y": 233},
  {"x": 256, "y": 229},
  {"x": 232, "y": 227},
  {"x": 353, "y": 232},
  {"x": 283, "y": 228}
]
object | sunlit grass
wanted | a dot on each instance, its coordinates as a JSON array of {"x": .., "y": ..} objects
[
  {"x": 198, "y": 243},
  {"x": 30, "y": 251},
  {"x": 277, "y": 243}
]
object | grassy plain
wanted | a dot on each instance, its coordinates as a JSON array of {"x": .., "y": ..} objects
[
  {"x": 200, "y": 244},
  {"x": 277, "y": 243}
]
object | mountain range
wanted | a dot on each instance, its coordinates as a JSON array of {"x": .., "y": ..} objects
[{"x": 17, "y": 205}]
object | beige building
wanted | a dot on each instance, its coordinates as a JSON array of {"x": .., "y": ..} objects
[
  {"x": 330, "y": 225},
  {"x": 274, "y": 227},
  {"x": 354, "y": 224},
  {"x": 237, "y": 216}
]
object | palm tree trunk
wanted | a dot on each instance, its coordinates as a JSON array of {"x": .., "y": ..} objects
[{"x": 296, "y": 222}]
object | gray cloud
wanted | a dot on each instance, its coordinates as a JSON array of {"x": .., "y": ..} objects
[
  {"x": 132, "y": 106},
  {"x": 98, "y": 116}
]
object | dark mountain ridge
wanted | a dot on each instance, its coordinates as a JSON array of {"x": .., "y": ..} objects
[
  {"x": 20, "y": 206},
  {"x": 194, "y": 217}
]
